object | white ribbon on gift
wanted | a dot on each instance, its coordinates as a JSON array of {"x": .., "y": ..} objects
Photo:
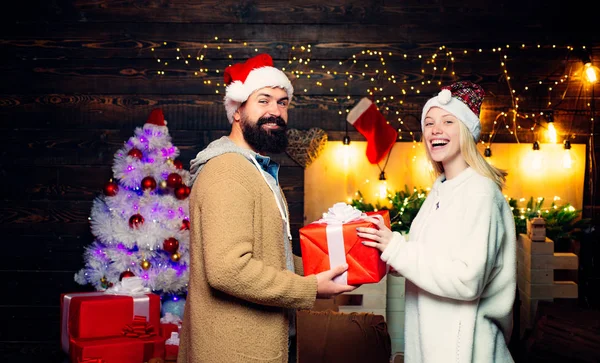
[
  {"x": 141, "y": 303},
  {"x": 337, "y": 215},
  {"x": 173, "y": 339}
]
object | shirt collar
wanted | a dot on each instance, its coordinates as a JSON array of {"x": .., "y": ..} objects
[{"x": 269, "y": 166}]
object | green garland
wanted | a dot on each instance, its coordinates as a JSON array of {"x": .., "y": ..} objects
[
  {"x": 403, "y": 207},
  {"x": 562, "y": 221}
]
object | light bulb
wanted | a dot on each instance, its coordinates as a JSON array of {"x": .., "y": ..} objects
[
  {"x": 567, "y": 161},
  {"x": 536, "y": 162},
  {"x": 382, "y": 186},
  {"x": 551, "y": 132},
  {"x": 590, "y": 73},
  {"x": 346, "y": 156},
  {"x": 382, "y": 189}
]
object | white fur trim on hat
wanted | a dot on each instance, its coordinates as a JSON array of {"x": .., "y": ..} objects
[
  {"x": 237, "y": 92},
  {"x": 455, "y": 106}
]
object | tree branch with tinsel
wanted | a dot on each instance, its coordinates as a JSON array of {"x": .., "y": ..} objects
[{"x": 403, "y": 206}]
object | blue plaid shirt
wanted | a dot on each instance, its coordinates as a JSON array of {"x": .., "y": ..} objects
[{"x": 269, "y": 166}]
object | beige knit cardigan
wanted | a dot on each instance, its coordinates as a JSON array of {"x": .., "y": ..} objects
[{"x": 239, "y": 284}]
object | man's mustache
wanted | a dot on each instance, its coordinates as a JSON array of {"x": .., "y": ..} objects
[{"x": 273, "y": 119}]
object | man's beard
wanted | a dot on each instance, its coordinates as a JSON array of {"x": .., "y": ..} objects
[{"x": 262, "y": 140}]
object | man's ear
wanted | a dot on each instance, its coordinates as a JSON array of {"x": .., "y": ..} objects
[{"x": 237, "y": 116}]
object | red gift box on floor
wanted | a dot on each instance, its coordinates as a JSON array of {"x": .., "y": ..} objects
[
  {"x": 89, "y": 315},
  {"x": 172, "y": 347},
  {"x": 118, "y": 349},
  {"x": 171, "y": 350},
  {"x": 167, "y": 328},
  {"x": 322, "y": 242}
]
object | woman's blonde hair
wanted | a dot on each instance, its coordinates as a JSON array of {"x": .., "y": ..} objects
[{"x": 468, "y": 150}]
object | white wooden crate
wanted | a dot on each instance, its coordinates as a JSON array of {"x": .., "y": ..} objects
[
  {"x": 368, "y": 298},
  {"x": 395, "y": 311},
  {"x": 535, "y": 276}
]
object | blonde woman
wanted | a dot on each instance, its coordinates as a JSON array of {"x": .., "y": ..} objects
[{"x": 460, "y": 257}]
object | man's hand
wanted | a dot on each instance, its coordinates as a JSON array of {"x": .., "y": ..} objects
[{"x": 327, "y": 288}]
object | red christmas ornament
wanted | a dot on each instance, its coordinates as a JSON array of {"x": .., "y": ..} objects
[
  {"x": 178, "y": 164},
  {"x": 126, "y": 274},
  {"x": 185, "y": 224},
  {"x": 173, "y": 180},
  {"x": 136, "y": 220},
  {"x": 181, "y": 192},
  {"x": 171, "y": 245},
  {"x": 148, "y": 183},
  {"x": 136, "y": 153},
  {"x": 111, "y": 188}
]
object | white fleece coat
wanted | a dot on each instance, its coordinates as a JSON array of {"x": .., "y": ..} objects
[{"x": 460, "y": 270}]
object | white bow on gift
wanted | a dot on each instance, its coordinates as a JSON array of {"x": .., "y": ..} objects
[
  {"x": 132, "y": 286},
  {"x": 341, "y": 213},
  {"x": 173, "y": 339}
]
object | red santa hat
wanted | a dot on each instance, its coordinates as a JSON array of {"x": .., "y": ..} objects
[
  {"x": 242, "y": 79},
  {"x": 463, "y": 100},
  {"x": 366, "y": 118},
  {"x": 156, "y": 117}
]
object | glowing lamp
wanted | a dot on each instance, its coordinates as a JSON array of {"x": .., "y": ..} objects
[{"x": 536, "y": 163}]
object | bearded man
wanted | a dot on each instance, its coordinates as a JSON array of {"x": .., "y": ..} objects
[{"x": 245, "y": 284}]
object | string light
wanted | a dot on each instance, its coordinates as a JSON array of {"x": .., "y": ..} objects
[{"x": 436, "y": 67}]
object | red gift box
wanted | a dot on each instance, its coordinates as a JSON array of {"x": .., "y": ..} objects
[
  {"x": 364, "y": 263},
  {"x": 100, "y": 315},
  {"x": 171, "y": 351},
  {"x": 167, "y": 328},
  {"x": 117, "y": 350}
]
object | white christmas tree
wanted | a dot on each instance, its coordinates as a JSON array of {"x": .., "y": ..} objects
[{"x": 141, "y": 222}]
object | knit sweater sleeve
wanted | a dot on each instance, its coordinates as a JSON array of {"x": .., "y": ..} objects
[
  {"x": 227, "y": 217},
  {"x": 463, "y": 273}
]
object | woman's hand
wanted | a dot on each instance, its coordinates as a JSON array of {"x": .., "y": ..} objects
[{"x": 380, "y": 237}]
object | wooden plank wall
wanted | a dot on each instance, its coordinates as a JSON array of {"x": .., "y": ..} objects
[{"x": 79, "y": 76}]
